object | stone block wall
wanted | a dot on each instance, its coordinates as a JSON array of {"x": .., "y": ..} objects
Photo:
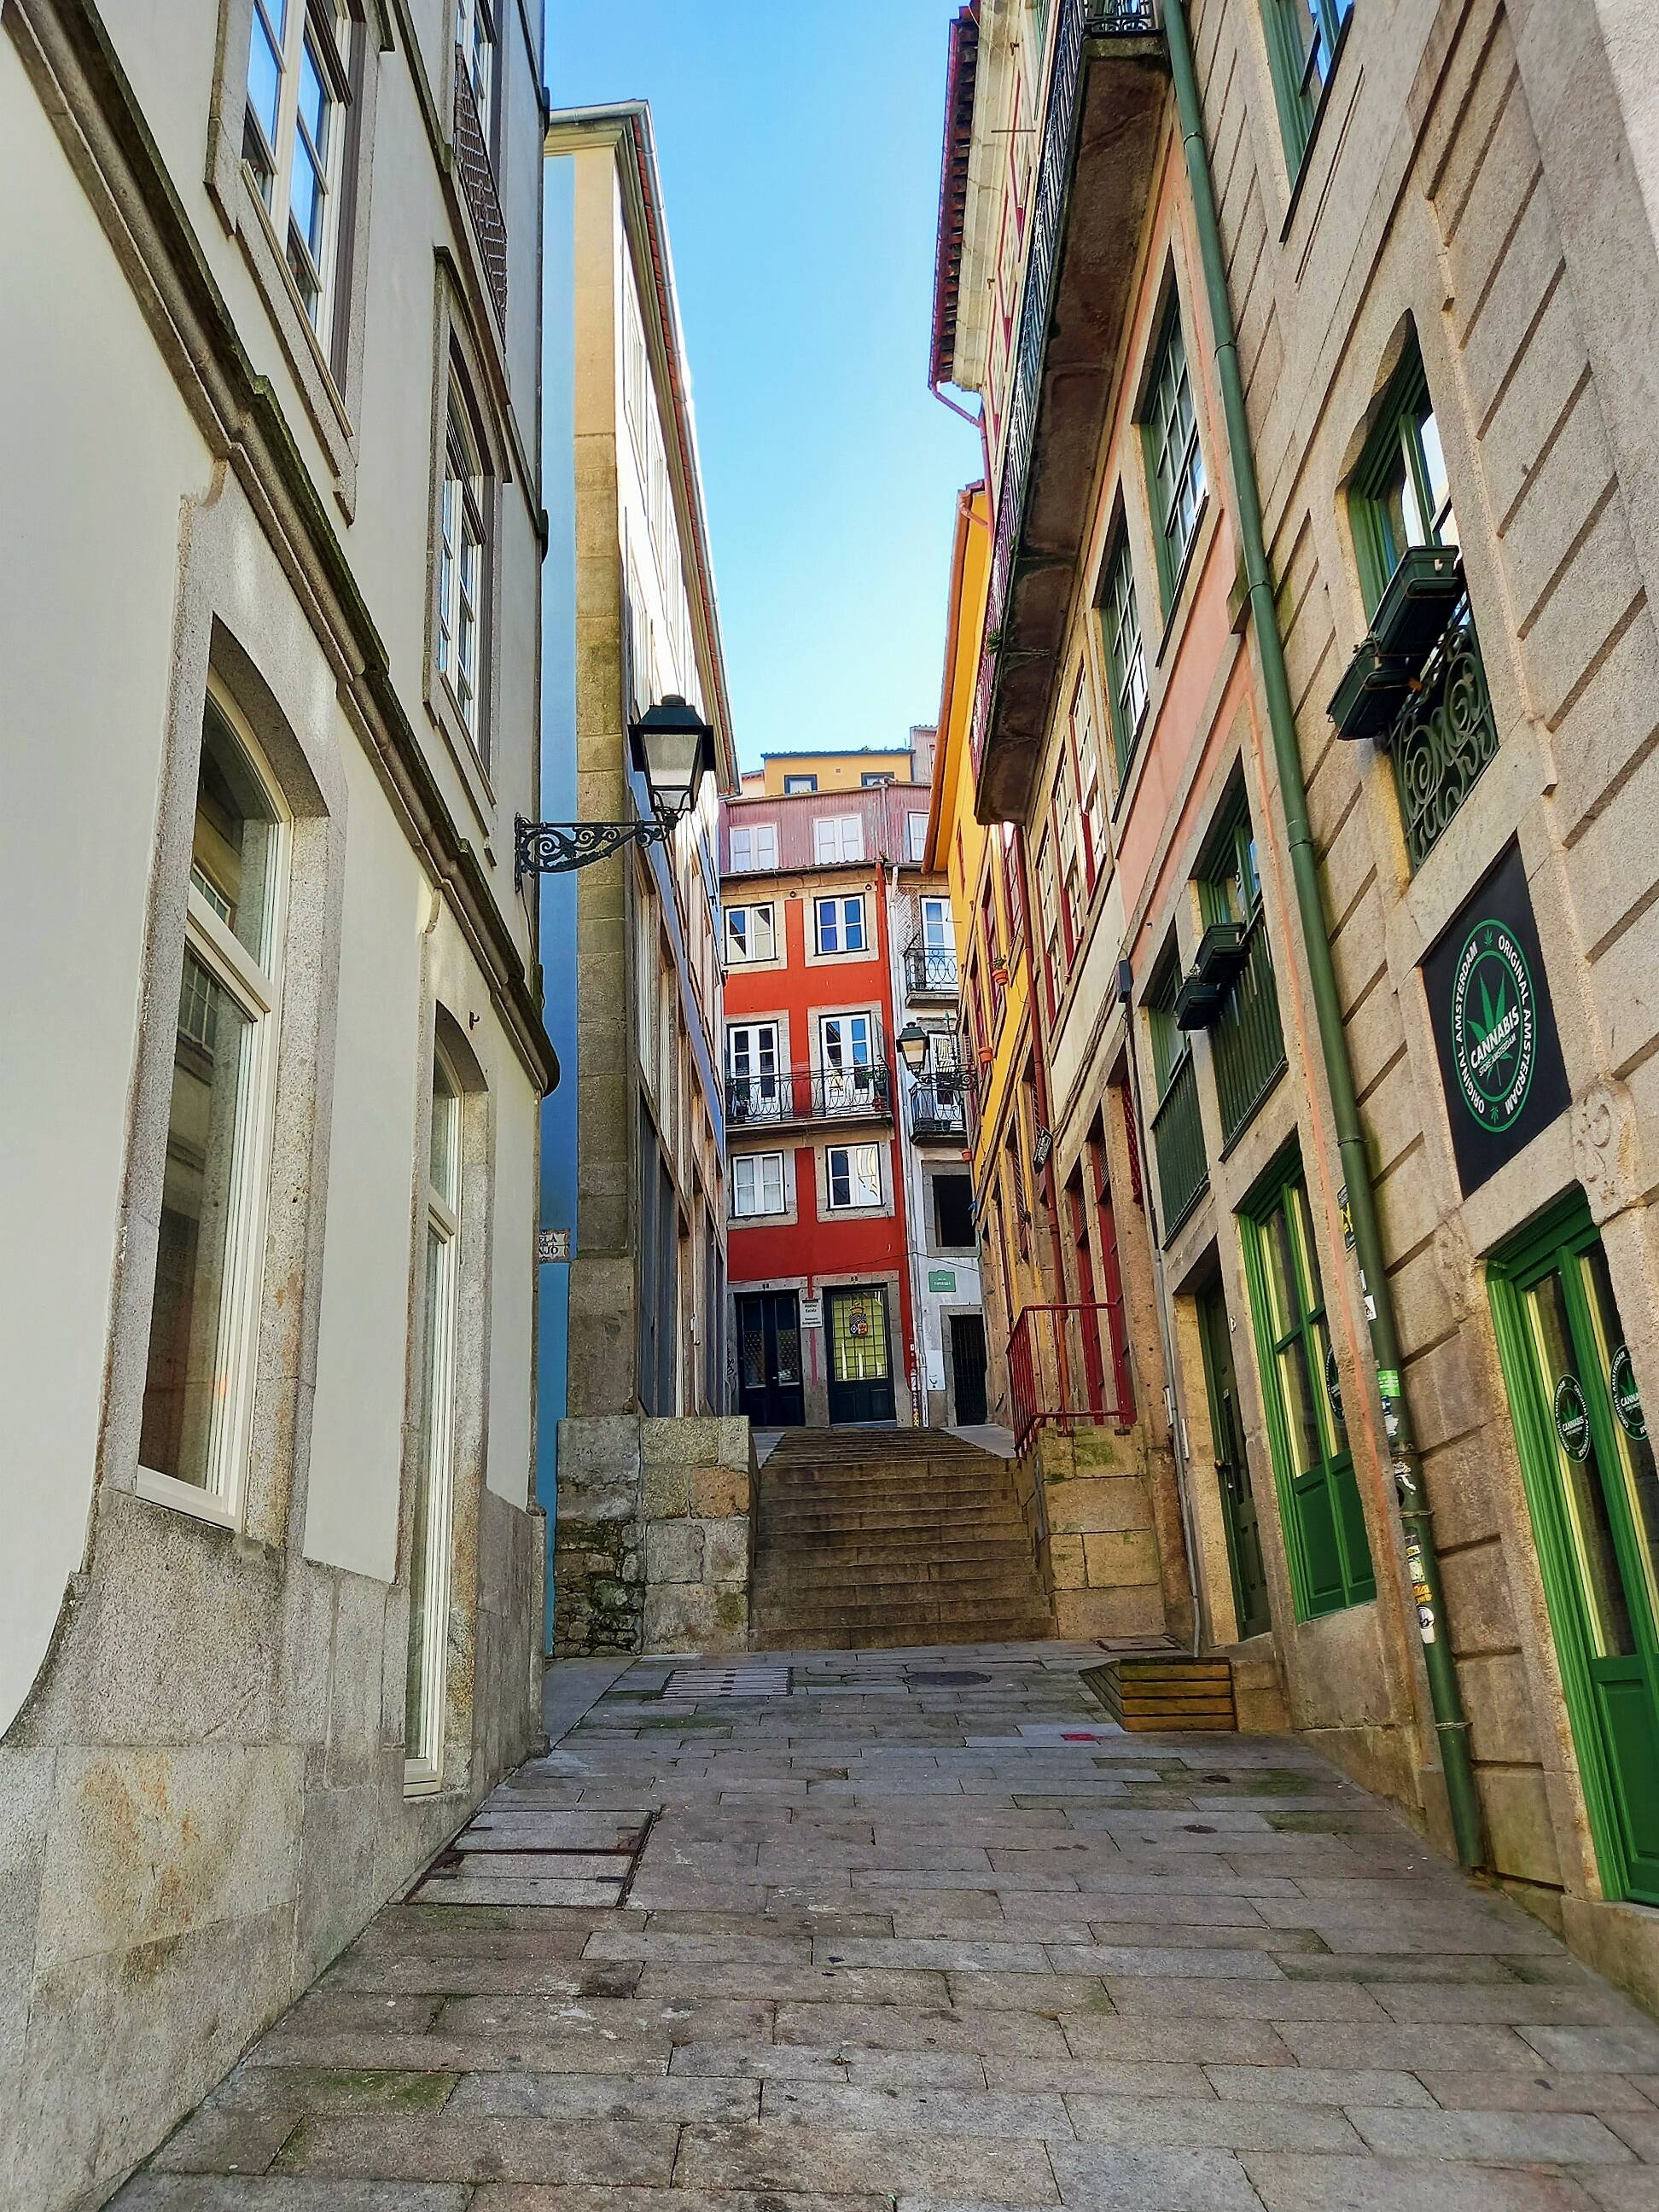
[
  {"x": 1088, "y": 1503},
  {"x": 654, "y": 1535}
]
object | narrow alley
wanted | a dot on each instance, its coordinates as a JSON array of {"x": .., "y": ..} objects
[{"x": 922, "y": 1928}]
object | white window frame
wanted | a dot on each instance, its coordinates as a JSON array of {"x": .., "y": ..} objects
[
  {"x": 256, "y": 985},
  {"x": 758, "y": 1163},
  {"x": 853, "y": 1203},
  {"x": 288, "y": 28},
  {"x": 838, "y": 838},
  {"x": 474, "y": 35},
  {"x": 423, "y": 1769},
  {"x": 463, "y": 568},
  {"x": 937, "y": 929},
  {"x": 754, "y": 1037},
  {"x": 754, "y": 848},
  {"x": 749, "y": 953},
  {"x": 838, "y": 909},
  {"x": 916, "y": 832}
]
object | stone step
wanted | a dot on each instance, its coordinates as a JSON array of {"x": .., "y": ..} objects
[
  {"x": 858, "y": 1547},
  {"x": 1030, "y": 1628},
  {"x": 993, "y": 1512},
  {"x": 786, "y": 1570}
]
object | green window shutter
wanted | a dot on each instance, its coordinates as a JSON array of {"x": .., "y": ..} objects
[{"x": 1174, "y": 457}]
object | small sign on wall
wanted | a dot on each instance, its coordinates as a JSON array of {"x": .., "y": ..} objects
[
  {"x": 941, "y": 1278},
  {"x": 552, "y": 1244},
  {"x": 811, "y": 1313},
  {"x": 1494, "y": 1027}
]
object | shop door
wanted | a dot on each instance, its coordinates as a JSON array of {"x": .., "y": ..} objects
[
  {"x": 769, "y": 1360},
  {"x": 968, "y": 1368},
  {"x": 1232, "y": 1466},
  {"x": 860, "y": 1360},
  {"x": 1594, "y": 1500}
]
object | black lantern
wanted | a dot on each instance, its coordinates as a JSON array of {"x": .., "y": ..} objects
[
  {"x": 915, "y": 1045},
  {"x": 673, "y": 748}
]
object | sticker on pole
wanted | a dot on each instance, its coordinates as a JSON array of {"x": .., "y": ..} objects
[{"x": 1571, "y": 1418}]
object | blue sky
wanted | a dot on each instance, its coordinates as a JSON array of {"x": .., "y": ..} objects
[{"x": 800, "y": 149}]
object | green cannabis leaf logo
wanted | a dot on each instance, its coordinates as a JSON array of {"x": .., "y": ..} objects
[{"x": 1492, "y": 1014}]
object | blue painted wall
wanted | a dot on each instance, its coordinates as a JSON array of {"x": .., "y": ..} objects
[{"x": 557, "y": 894}]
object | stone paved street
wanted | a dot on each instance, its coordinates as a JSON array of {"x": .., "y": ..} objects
[{"x": 896, "y": 1938}]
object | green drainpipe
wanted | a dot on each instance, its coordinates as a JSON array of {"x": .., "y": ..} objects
[{"x": 1451, "y": 1725}]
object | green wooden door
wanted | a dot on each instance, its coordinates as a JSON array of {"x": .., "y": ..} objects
[
  {"x": 1594, "y": 1492},
  {"x": 1232, "y": 1468},
  {"x": 1325, "y": 1540}
]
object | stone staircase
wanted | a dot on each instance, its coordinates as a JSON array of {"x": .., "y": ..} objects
[{"x": 875, "y": 1538}]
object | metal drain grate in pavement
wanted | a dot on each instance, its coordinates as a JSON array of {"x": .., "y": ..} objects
[{"x": 739, "y": 1682}]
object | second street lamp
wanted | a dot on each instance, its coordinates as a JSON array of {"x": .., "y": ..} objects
[
  {"x": 673, "y": 748},
  {"x": 914, "y": 1044}
]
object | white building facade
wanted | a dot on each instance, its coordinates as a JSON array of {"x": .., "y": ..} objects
[{"x": 269, "y": 1606}]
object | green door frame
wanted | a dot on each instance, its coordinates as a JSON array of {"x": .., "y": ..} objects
[
  {"x": 1552, "y": 1243},
  {"x": 1215, "y": 1344}
]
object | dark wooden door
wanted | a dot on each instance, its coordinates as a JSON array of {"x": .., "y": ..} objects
[
  {"x": 861, "y": 1354},
  {"x": 1232, "y": 1468},
  {"x": 769, "y": 1360},
  {"x": 968, "y": 1367}
]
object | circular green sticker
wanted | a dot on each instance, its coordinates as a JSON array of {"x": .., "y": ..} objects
[
  {"x": 1626, "y": 1399},
  {"x": 1494, "y": 1026},
  {"x": 1572, "y": 1417}
]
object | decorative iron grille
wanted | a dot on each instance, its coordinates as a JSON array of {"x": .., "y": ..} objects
[
  {"x": 478, "y": 179},
  {"x": 1444, "y": 737},
  {"x": 937, "y": 1108},
  {"x": 930, "y": 972},
  {"x": 810, "y": 1094}
]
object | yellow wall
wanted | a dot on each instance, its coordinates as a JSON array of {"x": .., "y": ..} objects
[{"x": 835, "y": 771}]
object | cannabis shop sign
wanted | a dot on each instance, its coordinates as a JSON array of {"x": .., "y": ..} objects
[{"x": 1494, "y": 1028}]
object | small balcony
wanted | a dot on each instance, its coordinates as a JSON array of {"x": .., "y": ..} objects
[
  {"x": 483, "y": 200},
  {"x": 938, "y": 1110},
  {"x": 1184, "y": 1167},
  {"x": 797, "y": 1095},
  {"x": 930, "y": 971},
  {"x": 1066, "y": 1370}
]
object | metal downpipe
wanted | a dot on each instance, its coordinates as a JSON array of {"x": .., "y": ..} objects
[{"x": 1451, "y": 1726}]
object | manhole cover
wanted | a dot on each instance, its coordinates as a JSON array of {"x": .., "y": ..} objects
[{"x": 962, "y": 1680}]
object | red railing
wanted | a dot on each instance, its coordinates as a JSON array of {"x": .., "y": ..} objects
[{"x": 1060, "y": 1358}]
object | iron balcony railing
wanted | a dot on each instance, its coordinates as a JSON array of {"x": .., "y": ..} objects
[
  {"x": 930, "y": 971},
  {"x": 1245, "y": 1037},
  {"x": 938, "y": 1108},
  {"x": 1445, "y": 735},
  {"x": 478, "y": 179},
  {"x": 1183, "y": 1170},
  {"x": 1060, "y": 1362},
  {"x": 810, "y": 1094},
  {"x": 1079, "y": 20}
]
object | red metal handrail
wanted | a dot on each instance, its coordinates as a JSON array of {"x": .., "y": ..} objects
[{"x": 1060, "y": 1358}]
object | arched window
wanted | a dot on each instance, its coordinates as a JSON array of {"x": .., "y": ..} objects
[{"x": 205, "y": 1314}]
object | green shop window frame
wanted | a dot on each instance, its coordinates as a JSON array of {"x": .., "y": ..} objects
[
  {"x": 1303, "y": 39},
  {"x": 1326, "y": 1543},
  {"x": 1247, "y": 1041},
  {"x": 1175, "y": 457},
  {"x": 1445, "y": 733}
]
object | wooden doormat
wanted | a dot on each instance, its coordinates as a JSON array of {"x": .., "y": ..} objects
[{"x": 1163, "y": 1691}]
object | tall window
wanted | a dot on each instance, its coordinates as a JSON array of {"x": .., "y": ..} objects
[
  {"x": 204, "y": 1312},
  {"x": 953, "y": 1212},
  {"x": 1175, "y": 461},
  {"x": 432, "y": 1506},
  {"x": 294, "y": 138},
  {"x": 851, "y": 1177},
  {"x": 840, "y": 837},
  {"x": 1302, "y": 42},
  {"x": 751, "y": 1061},
  {"x": 917, "y": 836},
  {"x": 750, "y": 934},
  {"x": 754, "y": 847},
  {"x": 1125, "y": 658},
  {"x": 756, "y": 1184},
  {"x": 937, "y": 933},
  {"x": 474, "y": 35},
  {"x": 840, "y": 924},
  {"x": 1086, "y": 761},
  {"x": 461, "y": 541},
  {"x": 1401, "y": 494},
  {"x": 1326, "y": 1543}
]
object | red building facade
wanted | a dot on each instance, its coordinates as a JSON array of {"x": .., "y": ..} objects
[{"x": 819, "y": 1249}]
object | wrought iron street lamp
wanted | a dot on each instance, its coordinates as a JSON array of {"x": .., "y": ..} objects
[
  {"x": 914, "y": 1044},
  {"x": 673, "y": 748}
]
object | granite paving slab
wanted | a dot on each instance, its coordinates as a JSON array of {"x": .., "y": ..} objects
[{"x": 869, "y": 1943}]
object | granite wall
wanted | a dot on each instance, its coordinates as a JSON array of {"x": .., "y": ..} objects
[{"x": 654, "y": 1535}]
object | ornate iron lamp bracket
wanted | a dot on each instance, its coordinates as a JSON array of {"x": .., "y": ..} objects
[{"x": 543, "y": 848}]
